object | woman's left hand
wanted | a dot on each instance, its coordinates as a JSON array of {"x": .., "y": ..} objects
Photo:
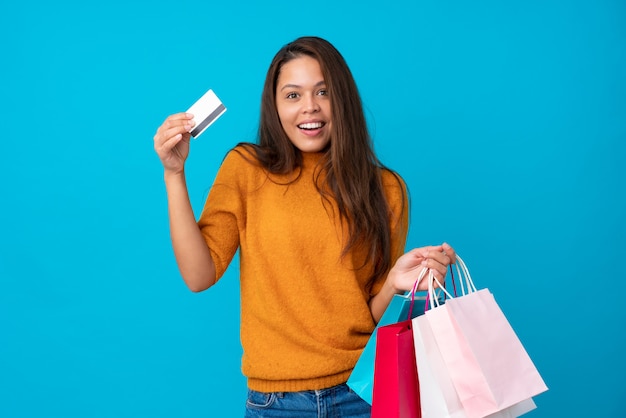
[{"x": 409, "y": 266}]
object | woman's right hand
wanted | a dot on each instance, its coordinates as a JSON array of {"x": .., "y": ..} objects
[{"x": 171, "y": 141}]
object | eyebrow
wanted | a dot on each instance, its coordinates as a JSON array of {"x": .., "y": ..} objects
[{"x": 295, "y": 86}]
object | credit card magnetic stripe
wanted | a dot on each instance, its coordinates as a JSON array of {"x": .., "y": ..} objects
[{"x": 208, "y": 120}]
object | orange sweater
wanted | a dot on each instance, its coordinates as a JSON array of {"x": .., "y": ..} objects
[{"x": 304, "y": 310}]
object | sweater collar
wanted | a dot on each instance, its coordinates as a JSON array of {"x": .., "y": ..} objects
[{"x": 311, "y": 159}]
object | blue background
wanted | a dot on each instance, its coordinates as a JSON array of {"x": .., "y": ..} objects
[{"x": 506, "y": 119}]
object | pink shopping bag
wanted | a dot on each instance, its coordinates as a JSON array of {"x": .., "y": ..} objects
[
  {"x": 487, "y": 364},
  {"x": 438, "y": 396}
]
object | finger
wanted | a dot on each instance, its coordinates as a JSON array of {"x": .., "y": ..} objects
[
  {"x": 170, "y": 129},
  {"x": 449, "y": 252},
  {"x": 423, "y": 251},
  {"x": 438, "y": 269},
  {"x": 167, "y": 146},
  {"x": 180, "y": 116},
  {"x": 178, "y": 119},
  {"x": 185, "y": 122},
  {"x": 440, "y": 256}
]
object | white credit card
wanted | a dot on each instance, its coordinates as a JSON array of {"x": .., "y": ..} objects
[{"x": 206, "y": 111}]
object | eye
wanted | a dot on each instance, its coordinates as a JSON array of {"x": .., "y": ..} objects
[
  {"x": 323, "y": 92},
  {"x": 292, "y": 95}
]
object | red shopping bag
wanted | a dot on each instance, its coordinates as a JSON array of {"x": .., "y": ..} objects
[
  {"x": 396, "y": 391},
  {"x": 361, "y": 380}
]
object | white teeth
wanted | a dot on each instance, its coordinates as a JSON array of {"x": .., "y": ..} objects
[{"x": 315, "y": 125}]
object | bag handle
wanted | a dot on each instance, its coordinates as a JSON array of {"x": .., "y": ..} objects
[
  {"x": 427, "y": 301},
  {"x": 463, "y": 275},
  {"x": 415, "y": 285},
  {"x": 461, "y": 266}
]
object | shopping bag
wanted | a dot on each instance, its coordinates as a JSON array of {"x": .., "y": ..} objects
[
  {"x": 516, "y": 410},
  {"x": 487, "y": 364},
  {"x": 438, "y": 397},
  {"x": 396, "y": 391},
  {"x": 361, "y": 380}
]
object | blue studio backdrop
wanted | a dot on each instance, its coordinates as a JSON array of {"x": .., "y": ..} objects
[{"x": 506, "y": 119}]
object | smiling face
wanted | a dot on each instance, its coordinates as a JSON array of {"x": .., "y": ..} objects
[{"x": 303, "y": 104}]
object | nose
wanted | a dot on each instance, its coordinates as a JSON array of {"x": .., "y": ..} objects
[{"x": 310, "y": 104}]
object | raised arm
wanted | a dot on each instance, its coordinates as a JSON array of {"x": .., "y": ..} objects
[{"x": 171, "y": 143}]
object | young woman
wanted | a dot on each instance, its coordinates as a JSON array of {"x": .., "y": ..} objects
[{"x": 321, "y": 227}]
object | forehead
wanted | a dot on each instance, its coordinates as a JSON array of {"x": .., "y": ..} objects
[{"x": 303, "y": 69}]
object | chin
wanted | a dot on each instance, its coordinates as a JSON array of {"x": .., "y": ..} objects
[{"x": 312, "y": 146}]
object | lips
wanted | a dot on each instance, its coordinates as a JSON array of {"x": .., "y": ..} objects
[{"x": 310, "y": 126}]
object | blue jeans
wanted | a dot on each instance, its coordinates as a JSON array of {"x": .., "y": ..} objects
[{"x": 335, "y": 402}]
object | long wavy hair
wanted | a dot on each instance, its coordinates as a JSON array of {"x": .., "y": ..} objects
[{"x": 352, "y": 172}]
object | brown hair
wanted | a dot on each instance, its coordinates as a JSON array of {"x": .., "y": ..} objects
[{"x": 351, "y": 168}]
